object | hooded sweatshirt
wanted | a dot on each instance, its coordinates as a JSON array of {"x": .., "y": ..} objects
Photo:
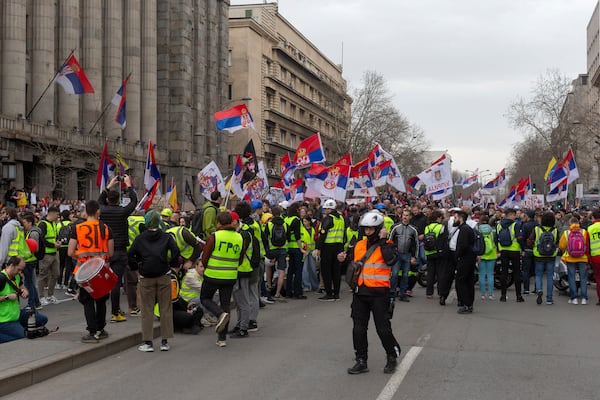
[{"x": 149, "y": 253}]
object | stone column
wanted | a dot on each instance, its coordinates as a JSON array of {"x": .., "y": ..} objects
[
  {"x": 149, "y": 73},
  {"x": 200, "y": 99},
  {"x": 91, "y": 62},
  {"x": 131, "y": 65},
  {"x": 112, "y": 64},
  {"x": 68, "y": 40},
  {"x": 43, "y": 66},
  {"x": 162, "y": 45},
  {"x": 13, "y": 57}
]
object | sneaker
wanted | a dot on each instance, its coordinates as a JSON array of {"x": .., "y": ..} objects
[
  {"x": 206, "y": 323},
  {"x": 44, "y": 301},
  {"x": 465, "y": 310},
  {"x": 119, "y": 317},
  {"x": 146, "y": 348},
  {"x": 409, "y": 293},
  {"x": 135, "y": 312},
  {"x": 520, "y": 299},
  {"x": 359, "y": 368},
  {"x": 221, "y": 343},
  {"x": 234, "y": 330},
  {"x": 336, "y": 297},
  {"x": 539, "y": 297},
  {"x": 549, "y": 302},
  {"x": 267, "y": 299},
  {"x": 89, "y": 338},
  {"x": 483, "y": 297},
  {"x": 165, "y": 347},
  {"x": 252, "y": 326},
  {"x": 574, "y": 301},
  {"x": 71, "y": 292},
  {"x": 52, "y": 300},
  {"x": 525, "y": 291},
  {"x": 490, "y": 297},
  {"x": 222, "y": 323},
  {"x": 326, "y": 298},
  {"x": 39, "y": 307},
  {"x": 583, "y": 302},
  {"x": 241, "y": 333},
  {"x": 57, "y": 286},
  {"x": 102, "y": 334}
]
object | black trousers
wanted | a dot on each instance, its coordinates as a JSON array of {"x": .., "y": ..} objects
[
  {"x": 465, "y": 280},
  {"x": 514, "y": 258},
  {"x": 362, "y": 307},
  {"x": 94, "y": 311},
  {"x": 331, "y": 268},
  {"x": 209, "y": 288},
  {"x": 185, "y": 320},
  {"x": 436, "y": 268},
  {"x": 447, "y": 275}
]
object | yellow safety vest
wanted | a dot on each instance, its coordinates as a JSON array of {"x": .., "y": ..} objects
[
  {"x": 435, "y": 228},
  {"x": 224, "y": 261},
  {"x": 133, "y": 227},
  {"x": 186, "y": 292},
  {"x": 514, "y": 246},
  {"x": 292, "y": 240},
  {"x": 308, "y": 237},
  {"x": 257, "y": 232},
  {"x": 9, "y": 309},
  {"x": 594, "y": 232},
  {"x": 185, "y": 249},
  {"x": 51, "y": 232},
  {"x": 16, "y": 248},
  {"x": 538, "y": 233},
  {"x": 245, "y": 266},
  {"x": 335, "y": 234}
]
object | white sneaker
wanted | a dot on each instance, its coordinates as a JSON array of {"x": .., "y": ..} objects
[
  {"x": 570, "y": 301},
  {"x": 583, "y": 302},
  {"x": 44, "y": 301},
  {"x": 221, "y": 343},
  {"x": 574, "y": 301},
  {"x": 146, "y": 348},
  {"x": 52, "y": 300}
]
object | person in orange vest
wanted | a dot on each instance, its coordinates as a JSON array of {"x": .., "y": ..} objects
[
  {"x": 92, "y": 239},
  {"x": 372, "y": 294}
]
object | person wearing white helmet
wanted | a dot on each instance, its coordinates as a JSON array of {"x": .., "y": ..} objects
[
  {"x": 330, "y": 246},
  {"x": 372, "y": 293}
]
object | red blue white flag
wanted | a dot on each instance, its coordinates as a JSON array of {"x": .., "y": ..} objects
[
  {"x": 151, "y": 173},
  {"x": 106, "y": 169},
  {"x": 330, "y": 181},
  {"x": 309, "y": 151},
  {"x": 294, "y": 192},
  {"x": 566, "y": 169},
  {"x": 119, "y": 101},
  {"x": 362, "y": 183},
  {"x": 72, "y": 78},
  {"x": 148, "y": 198},
  {"x": 233, "y": 119},
  {"x": 497, "y": 181},
  {"x": 236, "y": 183}
]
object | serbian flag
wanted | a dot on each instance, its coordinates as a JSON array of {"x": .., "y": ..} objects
[
  {"x": 119, "y": 101},
  {"x": 497, "y": 181},
  {"x": 287, "y": 169},
  {"x": 148, "y": 198},
  {"x": 151, "y": 173},
  {"x": 72, "y": 78},
  {"x": 106, "y": 169},
  {"x": 413, "y": 181},
  {"x": 377, "y": 156},
  {"x": 233, "y": 119},
  {"x": 567, "y": 168},
  {"x": 309, "y": 151},
  {"x": 236, "y": 183},
  {"x": 379, "y": 173},
  {"x": 172, "y": 195},
  {"x": 294, "y": 192},
  {"x": 559, "y": 192},
  {"x": 362, "y": 183},
  {"x": 470, "y": 181},
  {"x": 523, "y": 189},
  {"x": 329, "y": 181}
]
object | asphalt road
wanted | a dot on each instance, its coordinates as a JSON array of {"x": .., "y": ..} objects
[{"x": 303, "y": 348}]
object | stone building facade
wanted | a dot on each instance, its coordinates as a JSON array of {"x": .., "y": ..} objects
[
  {"x": 295, "y": 90},
  {"x": 176, "y": 53}
]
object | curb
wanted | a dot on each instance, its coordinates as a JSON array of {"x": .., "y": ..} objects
[{"x": 48, "y": 367}]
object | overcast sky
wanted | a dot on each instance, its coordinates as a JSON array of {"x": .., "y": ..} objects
[{"x": 453, "y": 66}]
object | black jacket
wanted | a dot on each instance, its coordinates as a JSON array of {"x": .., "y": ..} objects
[
  {"x": 115, "y": 217},
  {"x": 149, "y": 253},
  {"x": 464, "y": 243}
]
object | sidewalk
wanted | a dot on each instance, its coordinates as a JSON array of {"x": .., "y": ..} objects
[{"x": 26, "y": 362}]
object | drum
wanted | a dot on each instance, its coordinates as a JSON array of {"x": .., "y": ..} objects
[{"x": 96, "y": 277}]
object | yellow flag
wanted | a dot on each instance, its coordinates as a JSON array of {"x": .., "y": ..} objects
[
  {"x": 122, "y": 165},
  {"x": 551, "y": 166}
]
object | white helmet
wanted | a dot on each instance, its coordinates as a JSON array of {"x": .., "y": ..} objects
[
  {"x": 372, "y": 219},
  {"x": 329, "y": 203}
]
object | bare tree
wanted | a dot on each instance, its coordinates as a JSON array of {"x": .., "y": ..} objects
[{"x": 376, "y": 120}]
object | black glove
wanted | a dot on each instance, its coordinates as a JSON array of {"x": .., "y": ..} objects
[{"x": 390, "y": 310}]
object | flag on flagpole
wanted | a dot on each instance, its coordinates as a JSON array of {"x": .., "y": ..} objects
[
  {"x": 567, "y": 168},
  {"x": 119, "y": 101},
  {"x": 234, "y": 118},
  {"x": 497, "y": 181},
  {"x": 236, "y": 182},
  {"x": 188, "y": 193},
  {"x": 558, "y": 193},
  {"x": 249, "y": 162},
  {"x": 550, "y": 169},
  {"x": 72, "y": 78},
  {"x": 257, "y": 187},
  {"x": 294, "y": 192},
  {"x": 151, "y": 173},
  {"x": 471, "y": 180},
  {"x": 172, "y": 195},
  {"x": 210, "y": 179},
  {"x": 362, "y": 183},
  {"x": 106, "y": 169},
  {"x": 309, "y": 151},
  {"x": 329, "y": 181},
  {"x": 121, "y": 164},
  {"x": 379, "y": 173},
  {"x": 287, "y": 169},
  {"x": 148, "y": 198},
  {"x": 438, "y": 177}
]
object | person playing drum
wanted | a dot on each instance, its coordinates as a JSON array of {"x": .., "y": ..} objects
[{"x": 92, "y": 239}]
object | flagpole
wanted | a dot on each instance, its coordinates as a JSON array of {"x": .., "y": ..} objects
[
  {"x": 49, "y": 84},
  {"x": 104, "y": 111}
]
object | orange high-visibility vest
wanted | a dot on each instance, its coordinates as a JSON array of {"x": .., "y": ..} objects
[
  {"x": 375, "y": 272},
  {"x": 90, "y": 243}
]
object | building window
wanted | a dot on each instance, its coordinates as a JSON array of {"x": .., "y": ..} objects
[
  {"x": 268, "y": 68},
  {"x": 283, "y": 134},
  {"x": 311, "y": 120},
  {"x": 292, "y": 141},
  {"x": 282, "y": 105},
  {"x": 293, "y": 81},
  {"x": 283, "y": 75},
  {"x": 229, "y": 58},
  {"x": 302, "y": 116},
  {"x": 269, "y": 100},
  {"x": 229, "y": 92},
  {"x": 248, "y": 13},
  {"x": 270, "y": 130},
  {"x": 293, "y": 111}
]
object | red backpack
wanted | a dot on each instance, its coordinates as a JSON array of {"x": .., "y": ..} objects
[{"x": 576, "y": 244}]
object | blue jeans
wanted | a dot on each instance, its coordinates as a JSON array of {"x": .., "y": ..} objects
[
  {"x": 403, "y": 264},
  {"x": 527, "y": 262},
  {"x": 486, "y": 274},
  {"x": 14, "y": 330},
  {"x": 546, "y": 266},
  {"x": 30, "y": 284},
  {"x": 571, "y": 268}
]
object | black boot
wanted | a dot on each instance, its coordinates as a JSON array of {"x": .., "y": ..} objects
[
  {"x": 390, "y": 366},
  {"x": 360, "y": 367}
]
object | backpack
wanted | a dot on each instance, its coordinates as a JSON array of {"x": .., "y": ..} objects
[
  {"x": 197, "y": 222},
  {"x": 22, "y": 247},
  {"x": 64, "y": 233},
  {"x": 479, "y": 244},
  {"x": 429, "y": 241},
  {"x": 490, "y": 248},
  {"x": 439, "y": 243},
  {"x": 41, "y": 251},
  {"x": 546, "y": 244},
  {"x": 504, "y": 236},
  {"x": 278, "y": 234},
  {"x": 576, "y": 245}
]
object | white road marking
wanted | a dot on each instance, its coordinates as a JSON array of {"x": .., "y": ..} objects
[{"x": 396, "y": 379}]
